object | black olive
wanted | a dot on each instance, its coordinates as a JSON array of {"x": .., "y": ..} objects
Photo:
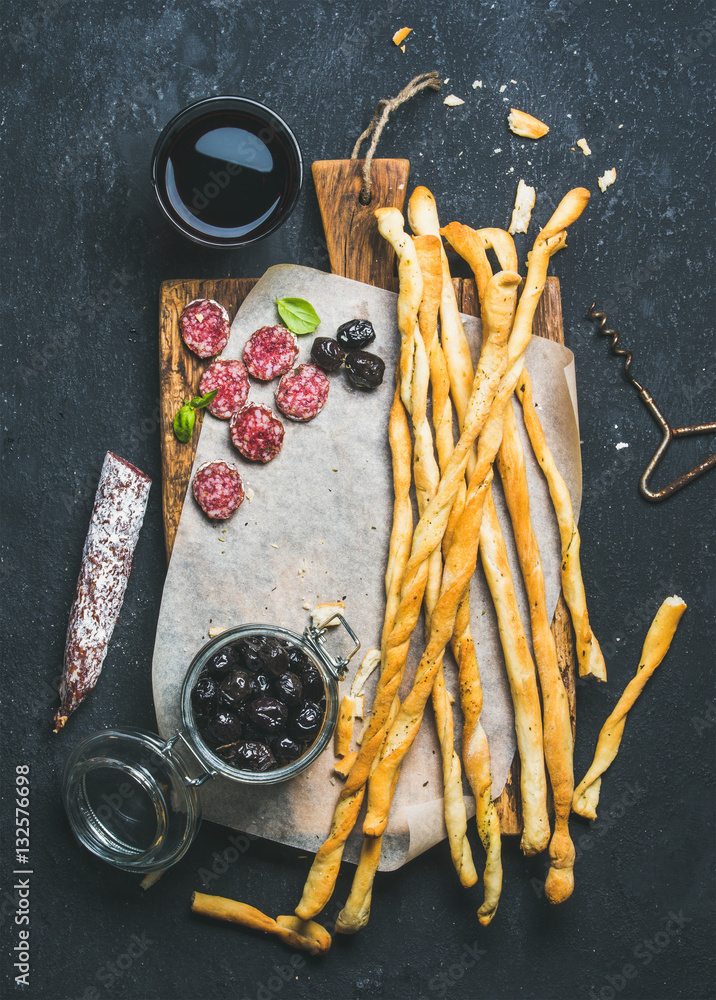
[
  {"x": 248, "y": 653},
  {"x": 296, "y": 659},
  {"x": 260, "y": 684},
  {"x": 285, "y": 748},
  {"x": 274, "y": 658},
  {"x": 356, "y": 334},
  {"x": 365, "y": 370},
  {"x": 251, "y": 755},
  {"x": 237, "y": 686},
  {"x": 307, "y": 722},
  {"x": 269, "y": 714},
  {"x": 219, "y": 664},
  {"x": 327, "y": 353},
  {"x": 312, "y": 682},
  {"x": 288, "y": 688},
  {"x": 225, "y": 728},
  {"x": 203, "y": 697}
]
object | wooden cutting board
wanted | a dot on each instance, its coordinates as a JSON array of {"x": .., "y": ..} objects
[{"x": 356, "y": 251}]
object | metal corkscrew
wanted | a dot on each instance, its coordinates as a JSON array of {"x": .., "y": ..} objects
[{"x": 669, "y": 433}]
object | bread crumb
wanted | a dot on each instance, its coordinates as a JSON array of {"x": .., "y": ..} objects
[
  {"x": 584, "y": 146},
  {"x": 322, "y": 612},
  {"x": 452, "y": 101},
  {"x": 215, "y": 630},
  {"x": 503, "y": 88},
  {"x": 273, "y": 545},
  {"x": 249, "y": 493},
  {"x": 526, "y": 125},
  {"x": 622, "y": 444},
  {"x": 476, "y": 84},
  {"x": 522, "y": 212},
  {"x": 607, "y": 179},
  {"x": 401, "y": 35},
  {"x": 402, "y": 48},
  {"x": 306, "y": 605}
]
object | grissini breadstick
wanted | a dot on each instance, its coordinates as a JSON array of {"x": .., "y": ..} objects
[
  {"x": 589, "y": 655},
  {"x": 657, "y": 642},
  {"x": 356, "y": 911},
  {"x": 429, "y": 250},
  {"x": 308, "y": 936},
  {"x": 427, "y": 536},
  {"x": 324, "y": 870},
  {"x": 423, "y": 217},
  {"x": 459, "y": 567},
  {"x": 523, "y": 683},
  {"x": 472, "y": 245},
  {"x": 557, "y": 729}
]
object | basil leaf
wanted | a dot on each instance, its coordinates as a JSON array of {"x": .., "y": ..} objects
[
  {"x": 199, "y": 402},
  {"x": 184, "y": 423},
  {"x": 298, "y": 315}
]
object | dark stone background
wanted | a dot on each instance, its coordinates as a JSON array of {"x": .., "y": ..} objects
[{"x": 88, "y": 86}]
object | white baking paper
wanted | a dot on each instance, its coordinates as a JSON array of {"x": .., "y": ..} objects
[{"x": 317, "y": 529}]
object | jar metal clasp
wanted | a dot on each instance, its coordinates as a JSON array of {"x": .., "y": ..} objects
[
  {"x": 167, "y": 749},
  {"x": 316, "y": 638}
]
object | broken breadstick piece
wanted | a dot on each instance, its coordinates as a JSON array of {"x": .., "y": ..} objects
[
  {"x": 323, "y": 612},
  {"x": 526, "y": 125},
  {"x": 453, "y": 101},
  {"x": 584, "y": 146},
  {"x": 522, "y": 212},
  {"x": 370, "y": 661},
  {"x": 151, "y": 879},
  {"x": 401, "y": 35},
  {"x": 304, "y": 934},
  {"x": 657, "y": 642},
  {"x": 344, "y": 726}
]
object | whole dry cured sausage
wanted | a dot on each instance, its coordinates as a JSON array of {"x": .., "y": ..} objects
[
  {"x": 205, "y": 327},
  {"x": 218, "y": 489},
  {"x": 269, "y": 352},
  {"x": 117, "y": 517},
  {"x": 257, "y": 432},
  {"x": 302, "y": 394},
  {"x": 230, "y": 380}
]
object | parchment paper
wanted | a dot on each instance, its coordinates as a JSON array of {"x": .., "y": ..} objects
[{"x": 317, "y": 529}]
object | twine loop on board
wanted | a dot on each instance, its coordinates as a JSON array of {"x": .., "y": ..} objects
[{"x": 380, "y": 118}]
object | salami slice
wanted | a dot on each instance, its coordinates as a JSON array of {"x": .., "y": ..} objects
[
  {"x": 117, "y": 517},
  {"x": 231, "y": 381},
  {"x": 205, "y": 327},
  {"x": 218, "y": 489},
  {"x": 302, "y": 394},
  {"x": 257, "y": 432},
  {"x": 270, "y": 352}
]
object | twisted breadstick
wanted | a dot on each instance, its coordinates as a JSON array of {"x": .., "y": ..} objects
[
  {"x": 423, "y": 217},
  {"x": 308, "y": 936},
  {"x": 356, "y": 911},
  {"x": 523, "y": 684},
  {"x": 429, "y": 250},
  {"x": 589, "y": 655},
  {"x": 324, "y": 870},
  {"x": 557, "y": 729},
  {"x": 459, "y": 567},
  {"x": 657, "y": 642},
  {"x": 471, "y": 245},
  {"x": 426, "y": 538}
]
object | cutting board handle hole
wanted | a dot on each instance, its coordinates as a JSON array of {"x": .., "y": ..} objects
[{"x": 365, "y": 199}]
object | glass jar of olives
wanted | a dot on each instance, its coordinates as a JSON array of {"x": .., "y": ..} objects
[{"x": 258, "y": 704}]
